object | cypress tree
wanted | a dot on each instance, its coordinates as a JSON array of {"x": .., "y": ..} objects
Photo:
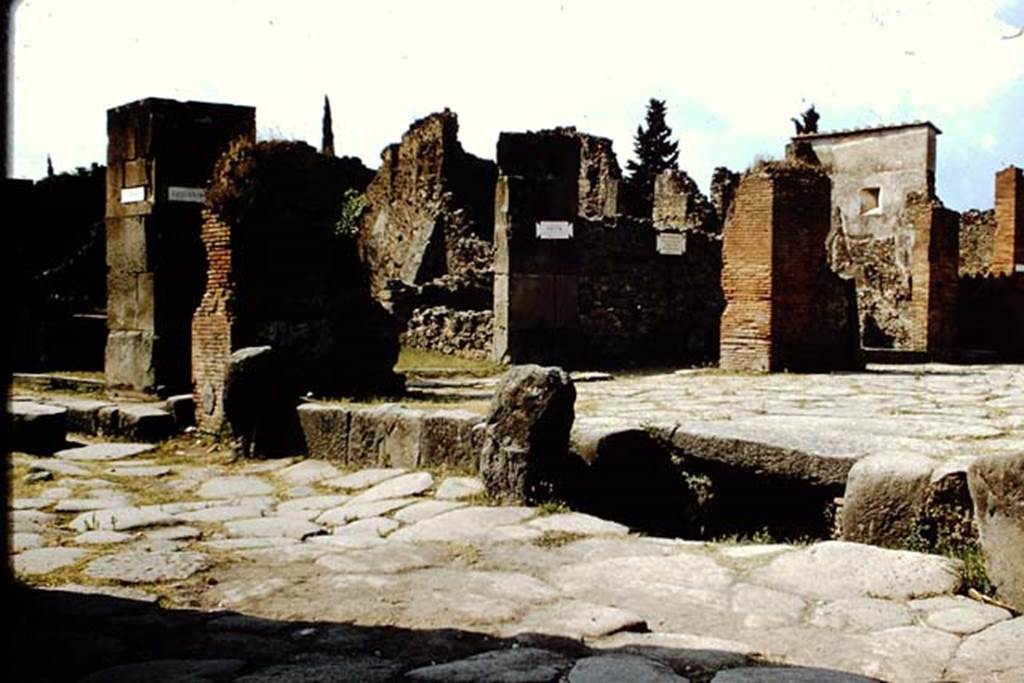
[
  {"x": 327, "y": 140},
  {"x": 655, "y": 152}
]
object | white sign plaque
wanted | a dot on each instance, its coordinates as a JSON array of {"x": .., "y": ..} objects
[
  {"x": 671, "y": 243},
  {"x": 554, "y": 230},
  {"x": 1019, "y": 268},
  {"x": 196, "y": 195},
  {"x": 133, "y": 194}
]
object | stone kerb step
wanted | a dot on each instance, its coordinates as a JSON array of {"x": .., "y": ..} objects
[
  {"x": 390, "y": 435},
  {"x": 37, "y": 427},
  {"x": 133, "y": 421}
]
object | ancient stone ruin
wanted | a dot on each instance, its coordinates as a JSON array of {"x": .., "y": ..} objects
[
  {"x": 159, "y": 157},
  {"x": 785, "y": 310},
  {"x": 426, "y": 234},
  {"x": 281, "y": 275},
  {"x": 575, "y": 284}
]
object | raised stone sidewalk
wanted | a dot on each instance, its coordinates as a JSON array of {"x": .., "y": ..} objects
[{"x": 175, "y": 563}]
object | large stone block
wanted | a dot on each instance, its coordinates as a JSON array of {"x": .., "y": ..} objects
[
  {"x": 450, "y": 437},
  {"x": 885, "y": 500},
  {"x": 325, "y": 430},
  {"x": 129, "y": 359},
  {"x": 37, "y": 428},
  {"x": 259, "y": 404},
  {"x": 526, "y": 434},
  {"x": 997, "y": 488}
]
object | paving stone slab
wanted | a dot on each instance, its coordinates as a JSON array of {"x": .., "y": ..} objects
[
  {"x": 684, "y": 652},
  {"x": 25, "y": 540},
  {"x": 417, "y": 512},
  {"x": 223, "y": 513},
  {"x": 515, "y": 665},
  {"x": 577, "y": 619},
  {"x": 307, "y": 472},
  {"x": 764, "y": 607},
  {"x": 61, "y": 467},
  {"x": 354, "y": 510},
  {"x": 861, "y": 615},
  {"x": 780, "y": 674},
  {"x": 102, "y": 537},
  {"x": 471, "y": 523},
  {"x": 911, "y": 653},
  {"x": 316, "y": 503},
  {"x": 150, "y": 471},
  {"x": 57, "y": 492},
  {"x": 234, "y": 487},
  {"x": 175, "y": 533},
  {"x": 997, "y": 648},
  {"x": 578, "y": 523},
  {"x": 121, "y": 592},
  {"x": 168, "y": 670},
  {"x": 411, "y": 484},
  {"x": 387, "y": 558},
  {"x": 617, "y": 668},
  {"x": 46, "y": 560},
  {"x": 90, "y": 504},
  {"x": 365, "y": 669},
  {"x": 459, "y": 488},
  {"x": 272, "y": 527},
  {"x": 105, "y": 451},
  {"x": 231, "y": 544},
  {"x": 31, "y": 503},
  {"x": 135, "y": 566},
  {"x": 365, "y": 478},
  {"x": 836, "y": 569},
  {"x": 31, "y": 521},
  {"x": 121, "y": 519}
]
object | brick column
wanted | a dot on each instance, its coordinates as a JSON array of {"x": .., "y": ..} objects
[
  {"x": 785, "y": 309},
  {"x": 1008, "y": 243},
  {"x": 159, "y": 157},
  {"x": 934, "y": 262}
]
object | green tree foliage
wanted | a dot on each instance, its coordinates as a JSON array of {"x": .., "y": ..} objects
[{"x": 655, "y": 151}]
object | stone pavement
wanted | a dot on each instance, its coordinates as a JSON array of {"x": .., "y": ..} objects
[{"x": 176, "y": 563}]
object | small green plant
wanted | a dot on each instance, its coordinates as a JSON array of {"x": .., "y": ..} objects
[
  {"x": 552, "y": 507},
  {"x": 353, "y": 205},
  {"x": 556, "y": 539}
]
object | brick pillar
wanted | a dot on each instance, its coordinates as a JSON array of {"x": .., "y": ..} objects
[
  {"x": 785, "y": 309},
  {"x": 159, "y": 157},
  {"x": 934, "y": 261},
  {"x": 212, "y": 325},
  {"x": 1008, "y": 243},
  {"x": 535, "y": 285}
]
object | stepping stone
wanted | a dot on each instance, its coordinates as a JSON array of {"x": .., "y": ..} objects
[
  {"x": 681, "y": 651},
  {"x": 837, "y": 569},
  {"x": 152, "y": 471},
  {"x": 89, "y": 504},
  {"x": 179, "y": 670},
  {"x": 411, "y": 484},
  {"x": 578, "y": 523},
  {"x": 182, "y": 408},
  {"x": 25, "y": 540},
  {"x": 234, "y": 487},
  {"x": 459, "y": 488},
  {"x": 83, "y": 413},
  {"x": 578, "y": 619},
  {"x": 352, "y": 511},
  {"x": 364, "y": 478},
  {"x": 417, "y": 512},
  {"x": 272, "y": 527},
  {"x": 36, "y": 427},
  {"x": 135, "y": 566},
  {"x": 307, "y": 472},
  {"x": 105, "y": 451},
  {"x": 121, "y": 519},
  {"x": 174, "y": 533},
  {"x": 141, "y": 421},
  {"x": 525, "y": 664},
  {"x": 102, "y": 537},
  {"x": 618, "y": 668},
  {"x": 46, "y": 560}
]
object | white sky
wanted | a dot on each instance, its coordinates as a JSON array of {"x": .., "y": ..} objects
[{"x": 732, "y": 72}]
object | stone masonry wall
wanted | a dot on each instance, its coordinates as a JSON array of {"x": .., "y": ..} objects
[
  {"x": 680, "y": 205},
  {"x": 977, "y": 232},
  {"x": 785, "y": 310},
  {"x": 159, "y": 157}
]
